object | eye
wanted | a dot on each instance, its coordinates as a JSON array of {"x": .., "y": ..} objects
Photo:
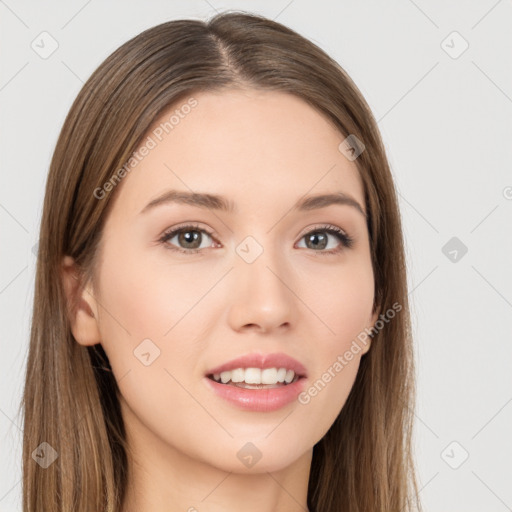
[
  {"x": 189, "y": 238},
  {"x": 318, "y": 239}
]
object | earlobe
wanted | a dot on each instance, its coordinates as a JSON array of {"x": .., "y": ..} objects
[{"x": 81, "y": 305}]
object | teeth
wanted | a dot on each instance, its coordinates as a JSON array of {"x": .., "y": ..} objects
[
  {"x": 237, "y": 375},
  {"x": 252, "y": 376},
  {"x": 289, "y": 376},
  {"x": 256, "y": 376},
  {"x": 281, "y": 374},
  {"x": 269, "y": 376}
]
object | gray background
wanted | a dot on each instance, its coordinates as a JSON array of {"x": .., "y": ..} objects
[{"x": 446, "y": 120}]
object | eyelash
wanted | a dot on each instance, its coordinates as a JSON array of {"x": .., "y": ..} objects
[{"x": 346, "y": 240}]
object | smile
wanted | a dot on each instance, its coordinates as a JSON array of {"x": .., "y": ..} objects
[{"x": 256, "y": 376}]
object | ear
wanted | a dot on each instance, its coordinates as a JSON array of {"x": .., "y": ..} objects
[
  {"x": 81, "y": 305},
  {"x": 373, "y": 319}
]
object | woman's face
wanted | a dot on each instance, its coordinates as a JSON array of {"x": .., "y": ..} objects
[{"x": 251, "y": 280}]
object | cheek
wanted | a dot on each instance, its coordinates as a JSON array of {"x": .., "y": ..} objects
[
  {"x": 149, "y": 321},
  {"x": 148, "y": 300},
  {"x": 342, "y": 298},
  {"x": 160, "y": 316}
]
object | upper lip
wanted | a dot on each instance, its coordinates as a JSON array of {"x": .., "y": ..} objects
[{"x": 259, "y": 360}]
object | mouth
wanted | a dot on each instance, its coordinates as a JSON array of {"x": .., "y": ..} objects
[
  {"x": 256, "y": 378},
  {"x": 258, "y": 371},
  {"x": 257, "y": 382}
]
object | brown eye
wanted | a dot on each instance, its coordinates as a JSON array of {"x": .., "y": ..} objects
[
  {"x": 187, "y": 239},
  {"x": 318, "y": 239}
]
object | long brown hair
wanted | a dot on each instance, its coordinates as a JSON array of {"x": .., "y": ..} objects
[{"x": 365, "y": 461}]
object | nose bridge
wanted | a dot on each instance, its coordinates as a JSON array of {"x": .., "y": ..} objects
[{"x": 261, "y": 295}]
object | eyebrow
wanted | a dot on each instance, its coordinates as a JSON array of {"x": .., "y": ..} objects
[{"x": 216, "y": 202}]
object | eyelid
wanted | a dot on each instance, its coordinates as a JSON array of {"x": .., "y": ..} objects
[
  {"x": 192, "y": 225},
  {"x": 321, "y": 227}
]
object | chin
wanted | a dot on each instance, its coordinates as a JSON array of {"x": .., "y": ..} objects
[{"x": 254, "y": 456}]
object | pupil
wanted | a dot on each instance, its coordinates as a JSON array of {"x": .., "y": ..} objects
[{"x": 315, "y": 236}]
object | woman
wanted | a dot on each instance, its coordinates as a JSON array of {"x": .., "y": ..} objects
[{"x": 220, "y": 314}]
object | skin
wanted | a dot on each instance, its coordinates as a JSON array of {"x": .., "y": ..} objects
[{"x": 264, "y": 151}]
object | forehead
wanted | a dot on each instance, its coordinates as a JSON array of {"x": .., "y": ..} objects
[{"x": 258, "y": 148}]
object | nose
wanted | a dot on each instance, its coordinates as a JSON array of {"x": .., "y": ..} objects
[{"x": 261, "y": 296}]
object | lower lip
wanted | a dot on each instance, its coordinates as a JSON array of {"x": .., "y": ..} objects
[{"x": 261, "y": 400}]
